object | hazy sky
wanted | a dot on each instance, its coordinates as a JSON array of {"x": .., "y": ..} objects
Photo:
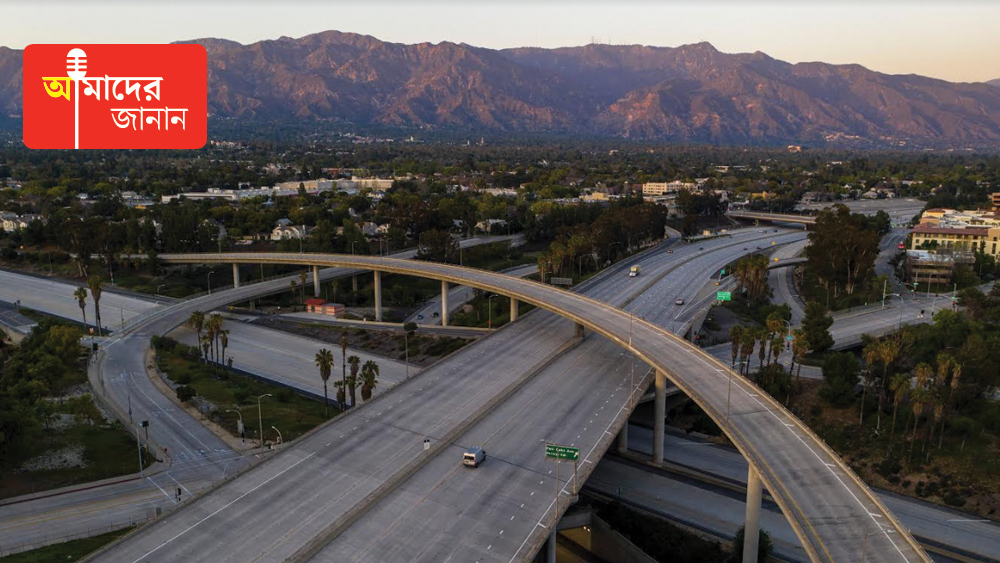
[{"x": 955, "y": 40}]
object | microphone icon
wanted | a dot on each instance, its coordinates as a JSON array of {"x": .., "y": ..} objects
[
  {"x": 76, "y": 64},
  {"x": 76, "y": 68}
]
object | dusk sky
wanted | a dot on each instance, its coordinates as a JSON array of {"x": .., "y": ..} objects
[{"x": 957, "y": 40}]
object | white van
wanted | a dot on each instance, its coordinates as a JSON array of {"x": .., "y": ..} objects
[{"x": 474, "y": 456}]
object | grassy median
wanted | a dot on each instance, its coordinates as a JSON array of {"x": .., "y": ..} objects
[
  {"x": 219, "y": 389},
  {"x": 65, "y": 552}
]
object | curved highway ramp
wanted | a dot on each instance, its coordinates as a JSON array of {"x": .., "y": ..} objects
[{"x": 291, "y": 506}]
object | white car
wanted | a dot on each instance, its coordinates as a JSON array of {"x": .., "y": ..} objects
[{"x": 679, "y": 302}]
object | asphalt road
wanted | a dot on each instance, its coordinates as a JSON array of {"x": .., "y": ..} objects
[
  {"x": 722, "y": 510},
  {"x": 196, "y": 460},
  {"x": 825, "y": 503},
  {"x": 458, "y": 296}
]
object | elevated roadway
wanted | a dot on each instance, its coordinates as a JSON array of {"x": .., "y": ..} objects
[{"x": 830, "y": 510}]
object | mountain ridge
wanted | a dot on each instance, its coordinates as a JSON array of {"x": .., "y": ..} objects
[{"x": 689, "y": 93}]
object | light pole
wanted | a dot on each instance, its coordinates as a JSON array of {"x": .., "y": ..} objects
[
  {"x": 158, "y": 288},
  {"x": 353, "y": 242},
  {"x": 138, "y": 447},
  {"x": 631, "y": 375},
  {"x": 260, "y": 420},
  {"x": 243, "y": 435},
  {"x": 210, "y": 282},
  {"x": 489, "y": 305},
  {"x": 279, "y": 435}
]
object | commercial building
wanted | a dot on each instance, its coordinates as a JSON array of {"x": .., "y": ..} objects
[
  {"x": 664, "y": 188},
  {"x": 324, "y": 307},
  {"x": 930, "y": 267},
  {"x": 995, "y": 198},
  {"x": 948, "y": 229}
]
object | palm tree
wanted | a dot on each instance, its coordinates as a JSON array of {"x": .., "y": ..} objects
[
  {"x": 899, "y": 386},
  {"x": 938, "y": 419},
  {"x": 291, "y": 282},
  {"x": 324, "y": 361},
  {"x": 206, "y": 343},
  {"x": 224, "y": 339},
  {"x": 343, "y": 357},
  {"x": 871, "y": 354},
  {"x": 215, "y": 328},
  {"x": 889, "y": 351},
  {"x": 800, "y": 347},
  {"x": 735, "y": 340},
  {"x": 339, "y": 385},
  {"x": 369, "y": 376},
  {"x": 94, "y": 283},
  {"x": 81, "y": 300},
  {"x": 352, "y": 381},
  {"x": 746, "y": 350},
  {"x": 197, "y": 322}
]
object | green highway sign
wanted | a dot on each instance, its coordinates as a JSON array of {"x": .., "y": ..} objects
[
  {"x": 724, "y": 295},
  {"x": 562, "y": 452}
]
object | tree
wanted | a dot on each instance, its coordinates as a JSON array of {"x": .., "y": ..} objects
[
  {"x": 816, "y": 325},
  {"x": 324, "y": 361},
  {"x": 94, "y": 283},
  {"x": 353, "y": 379},
  {"x": 842, "y": 249},
  {"x": 197, "y": 322},
  {"x": 343, "y": 360},
  {"x": 215, "y": 321},
  {"x": 81, "y": 300},
  {"x": 764, "y": 545},
  {"x": 224, "y": 340},
  {"x": 840, "y": 376},
  {"x": 800, "y": 347},
  {"x": 369, "y": 378},
  {"x": 735, "y": 341},
  {"x": 751, "y": 273},
  {"x": 302, "y": 284},
  {"x": 899, "y": 385}
]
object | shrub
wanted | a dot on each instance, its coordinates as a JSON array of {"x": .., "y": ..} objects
[{"x": 185, "y": 393}]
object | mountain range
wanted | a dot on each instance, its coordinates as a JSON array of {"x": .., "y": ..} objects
[{"x": 691, "y": 93}]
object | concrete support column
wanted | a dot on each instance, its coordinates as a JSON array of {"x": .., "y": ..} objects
[
  {"x": 623, "y": 439},
  {"x": 513, "y": 309},
  {"x": 316, "y": 287},
  {"x": 579, "y": 330},
  {"x": 378, "y": 295},
  {"x": 751, "y": 529},
  {"x": 659, "y": 415},
  {"x": 550, "y": 548},
  {"x": 444, "y": 303},
  {"x": 236, "y": 275}
]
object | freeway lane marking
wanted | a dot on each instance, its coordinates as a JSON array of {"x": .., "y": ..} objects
[
  {"x": 230, "y": 503},
  {"x": 967, "y": 520}
]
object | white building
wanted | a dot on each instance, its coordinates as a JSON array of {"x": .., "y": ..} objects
[
  {"x": 664, "y": 188},
  {"x": 18, "y": 222}
]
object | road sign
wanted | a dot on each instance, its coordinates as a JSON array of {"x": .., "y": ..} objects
[
  {"x": 562, "y": 452},
  {"x": 724, "y": 295},
  {"x": 561, "y": 281}
]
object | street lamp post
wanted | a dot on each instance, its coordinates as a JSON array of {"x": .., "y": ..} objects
[
  {"x": 243, "y": 434},
  {"x": 489, "y": 305},
  {"x": 280, "y": 440},
  {"x": 158, "y": 288},
  {"x": 260, "y": 420},
  {"x": 210, "y": 282}
]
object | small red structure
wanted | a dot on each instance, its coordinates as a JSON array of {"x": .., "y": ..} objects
[{"x": 323, "y": 307}]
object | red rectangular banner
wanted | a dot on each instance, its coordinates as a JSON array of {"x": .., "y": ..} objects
[{"x": 115, "y": 96}]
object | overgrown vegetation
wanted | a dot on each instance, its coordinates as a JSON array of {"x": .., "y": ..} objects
[
  {"x": 659, "y": 538},
  {"x": 223, "y": 389},
  {"x": 65, "y": 552},
  {"x": 48, "y": 439}
]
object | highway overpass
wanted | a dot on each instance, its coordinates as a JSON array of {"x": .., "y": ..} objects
[
  {"x": 773, "y": 217},
  {"x": 831, "y": 511}
]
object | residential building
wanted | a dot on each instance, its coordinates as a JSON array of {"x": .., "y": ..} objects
[
  {"x": 285, "y": 232},
  {"x": 13, "y": 223},
  {"x": 995, "y": 198},
  {"x": 964, "y": 238},
  {"x": 489, "y": 225}
]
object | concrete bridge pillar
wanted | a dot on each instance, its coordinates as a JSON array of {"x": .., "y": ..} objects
[
  {"x": 623, "y": 439},
  {"x": 378, "y": 295},
  {"x": 751, "y": 529},
  {"x": 316, "y": 288},
  {"x": 659, "y": 415},
  {"x": 236, "y": 275},
  {"x": 444, "y": 303},
  {"x": 550, "y": 547},
  {"x": 513, "y": 309},
  {"x": 579, "y": 330}
]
